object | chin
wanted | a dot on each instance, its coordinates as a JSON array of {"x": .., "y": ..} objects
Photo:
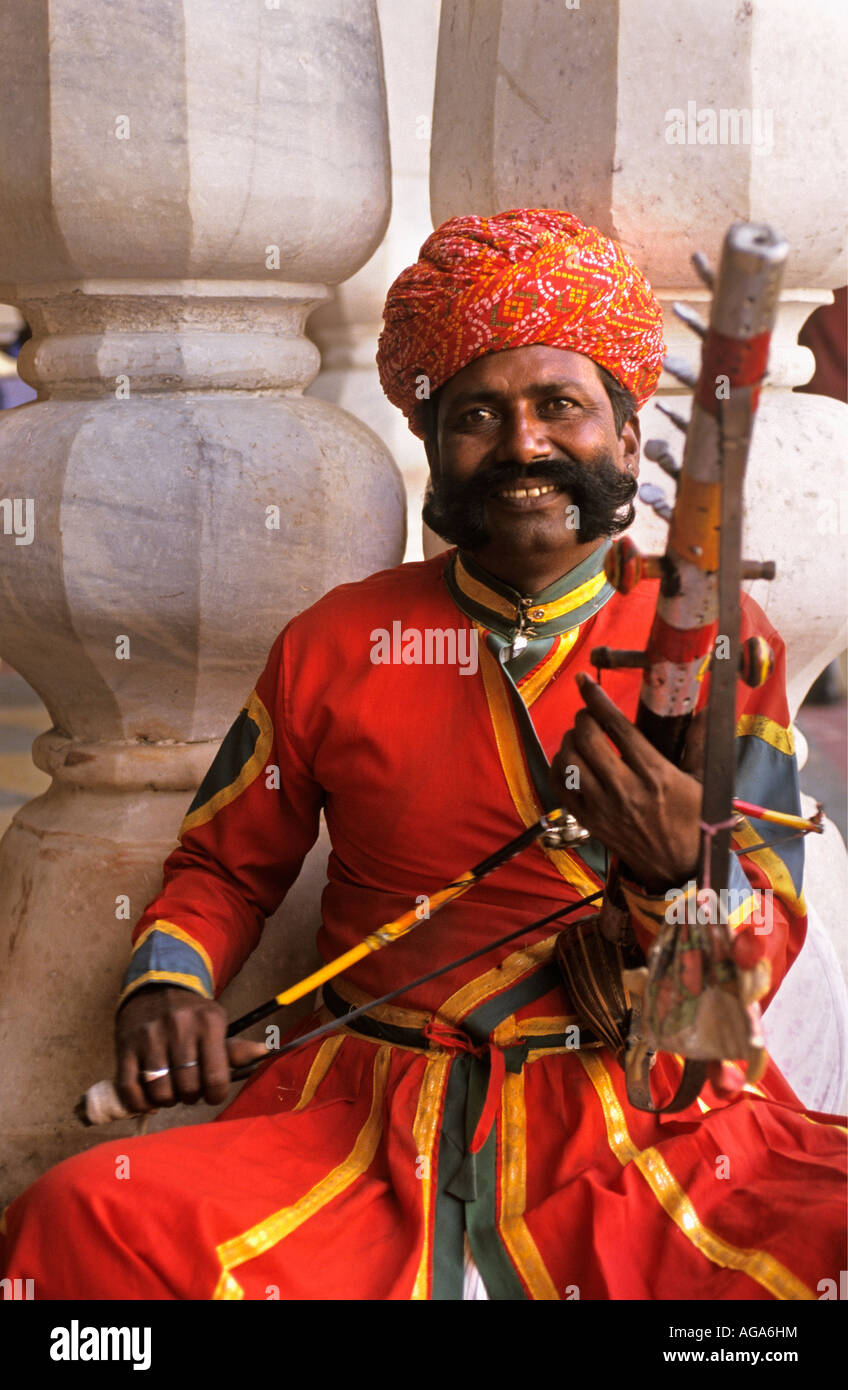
[{"x": 534, "y": 534}]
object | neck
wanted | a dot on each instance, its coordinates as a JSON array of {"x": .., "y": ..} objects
[{"x": 531, "y": 573}]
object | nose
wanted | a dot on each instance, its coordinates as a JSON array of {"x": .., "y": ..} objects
[{"x": 523, "y": 436}]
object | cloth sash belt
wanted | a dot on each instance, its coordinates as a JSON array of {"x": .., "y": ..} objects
[{"x": 474, "y": 1038}]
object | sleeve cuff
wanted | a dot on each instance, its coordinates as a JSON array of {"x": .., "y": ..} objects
[
  {"x": 736, "y": 906},
  {"x": 165, "y": 954}
]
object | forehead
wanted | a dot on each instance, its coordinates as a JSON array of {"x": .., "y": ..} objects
[{"x": 515, "y": 370}]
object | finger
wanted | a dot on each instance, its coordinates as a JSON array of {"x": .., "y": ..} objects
[
  {"x": 635, "y": 749},
  {"x": 242, "y": 1051},
  {"x": 214, "y": 1060},
  {"x": 153, "y": 1057},
  {"x": 593, "y": 746},
  {"x": 185, "y": 1062},
  {"x": 128, "y": 1085},
  {"x": 579, "y": 792}
]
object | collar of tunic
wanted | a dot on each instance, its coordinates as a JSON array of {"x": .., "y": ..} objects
[{"x": 524, "y": 626}]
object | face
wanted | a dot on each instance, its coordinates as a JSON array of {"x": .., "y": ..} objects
[{"x": 526, "y": 467}]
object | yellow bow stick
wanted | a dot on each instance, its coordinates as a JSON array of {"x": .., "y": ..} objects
[
  {"x": 101, "y": 1102},
  {"x": 393, "y": 931}
]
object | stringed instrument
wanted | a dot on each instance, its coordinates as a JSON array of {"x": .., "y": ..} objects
[{"x": 691, "y": 998}]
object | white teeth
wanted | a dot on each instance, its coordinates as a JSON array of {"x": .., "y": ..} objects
[{"x": 529, "y": 491}]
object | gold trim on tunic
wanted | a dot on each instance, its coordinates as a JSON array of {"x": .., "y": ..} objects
[
  {"x": 383, "y": 1013},
  {"x": 512, "y": 1227},
  {"x": 517, "y": 777},
  {"x": 759, "y": 1265},
  {"x": 519, "y": 963},
  {"x": 556, "y": 608},
  {"x": 772, "y": 866},
  {"x": 424, "y": 1133},
  {"x": 274, "y": 1228},
  {"x": 321, "y": 1064},
  {"x": 166, "y": 977},
  {"x": 760, "y": 726},
  {"x": 539, "y": 679},
  {"x": 179, "y": 934}
]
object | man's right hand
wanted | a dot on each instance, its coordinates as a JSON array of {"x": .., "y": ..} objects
[{"x": 164, "y": 1026}]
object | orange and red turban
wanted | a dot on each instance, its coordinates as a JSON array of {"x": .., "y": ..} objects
[{"x": 532, "y": 275}]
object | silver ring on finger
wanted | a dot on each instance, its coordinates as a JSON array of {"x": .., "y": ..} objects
[
  {"x": 182, "y": 1065},
  {"x": 156, "y": 1075}
]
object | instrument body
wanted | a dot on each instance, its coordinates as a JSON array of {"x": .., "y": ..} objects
[{"x": 695, "y": 633}]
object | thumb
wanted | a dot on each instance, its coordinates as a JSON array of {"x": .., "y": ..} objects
[{"x": 241, "y": 1051}]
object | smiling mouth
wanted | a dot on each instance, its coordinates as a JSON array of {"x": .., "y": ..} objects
[{"x": 521, "y": 492}]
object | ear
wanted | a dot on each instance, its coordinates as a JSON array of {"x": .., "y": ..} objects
[{"x": 630, "y": 445}]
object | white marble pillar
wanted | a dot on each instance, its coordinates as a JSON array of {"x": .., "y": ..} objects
[
  {"x": 661, "y": 122},
  {"x": 181, "y": 182},
  {"x": 347, "y": 328}
]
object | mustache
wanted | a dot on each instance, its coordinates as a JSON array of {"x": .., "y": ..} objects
[{"x": 601, "y": 492}]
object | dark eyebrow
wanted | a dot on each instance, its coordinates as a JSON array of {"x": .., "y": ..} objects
[{"x": 542, "y": 388}]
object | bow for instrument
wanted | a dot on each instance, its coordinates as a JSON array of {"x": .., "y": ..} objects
[
  {"x": 693, "y": 999},
  {"x": 101, "y": 1103},
  {"x": 640, "y": 1010}
]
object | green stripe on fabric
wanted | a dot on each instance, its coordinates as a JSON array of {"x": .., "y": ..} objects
[
  {"x": 490, "y": 1254},
  {"x": 561, "y": 588},
  {"x": 236, "y": 749},
  {"x": 591, "y": 851},
  {"x": 449, "y": 1218},
  {"x": 483, "y": 1020},
  {"x": 768, "y": 777}
]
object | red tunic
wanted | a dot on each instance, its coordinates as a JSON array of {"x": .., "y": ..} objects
[{"x": 343, "y": 1170}]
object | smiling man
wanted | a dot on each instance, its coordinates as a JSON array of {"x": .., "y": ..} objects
[
  {"x": 466, "y": 1139},
  {"x": 530, "y": 470}
]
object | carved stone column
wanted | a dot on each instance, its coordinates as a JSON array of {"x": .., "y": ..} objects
[
  {"x": 181, "y": 184},
  {"x": 347, "y": 328},
  {"x": 661, "y": 122}
]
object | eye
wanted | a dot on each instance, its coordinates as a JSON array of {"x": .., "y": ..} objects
[
  {"x": 560, "y": 405},
  {"x": 477, "y": 415}
]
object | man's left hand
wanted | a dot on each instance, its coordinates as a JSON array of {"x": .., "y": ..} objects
[{"x": 638, "y": 804}]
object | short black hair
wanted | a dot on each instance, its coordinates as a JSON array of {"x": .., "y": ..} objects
[{"x": 623, "y": 404}]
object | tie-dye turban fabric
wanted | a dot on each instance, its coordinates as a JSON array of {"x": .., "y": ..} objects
[{"x": 532, "y": 275}]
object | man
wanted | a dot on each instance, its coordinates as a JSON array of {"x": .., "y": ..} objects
[{"x": 460, "y": 1121}]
